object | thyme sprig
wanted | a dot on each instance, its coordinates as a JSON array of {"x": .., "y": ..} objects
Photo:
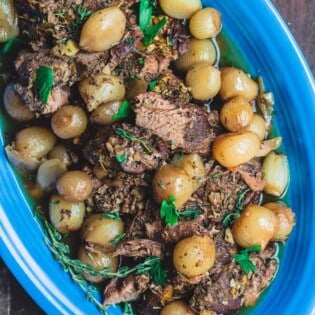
[
  {"x": 232, "y": 217},
  {"x": 123, "y": 133}
]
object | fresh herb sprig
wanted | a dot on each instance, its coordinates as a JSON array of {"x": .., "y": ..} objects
[
  {"x": 13, "y": 44},
  {"x": 153, "y": 84},
  {"x": 145, "y": 16},
  {"x": 123, "y": 133},
  {"x": 118, "y": 239},
  {"x": 124, "y": 111},
  {"x": 171, "y": 216},
  {"x": 232, "y": 217},
  {"x": 242, "y": 258},
  {"x": 114, "y": 215},
  {"x": 44, "y": 82},
  {"x": 82, "y": 14},
  {"x": 127, "y": 309}
]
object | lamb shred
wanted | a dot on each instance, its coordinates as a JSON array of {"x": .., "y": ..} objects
[
  {"x": 139, "y": 248},
  {"x": 185, "y": 127}
]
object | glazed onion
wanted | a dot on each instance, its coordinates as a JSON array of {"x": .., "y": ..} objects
[
  {"x": 256, "y": 226},
  {"x": 234, "y": 149},
  {"x": 205, "y": 23},
  {"x": 103, "y": 30}
]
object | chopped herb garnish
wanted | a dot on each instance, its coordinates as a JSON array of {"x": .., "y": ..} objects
[
  {"x": 82, "y": 15},
  {"x": 141, "y": 61},
  {"x": 232, "y": 217},
  {"x": 161, "y": 185},
  {"x": 169, "y": 41},
  {"x": 168, "y": 211},
  {"x": 123, "y": 133},
  {"x": 44, "y": 82},
  {"x": 13, "y": 43},
  {"x": 59, "y": 14},
  {"x": 121, "y": 158},
  {"x": 216, "y": 175},
  {"x": 118, "y": 239},
  {"x": 151, "y": 31},
  {"x": 154, "y": 267},
  {"x": 127, "y": 309},
  {"x": 55, "y": 202},
  {"x": 242, "y": 258},
  {"x": 145, "y": 15},
  {"x": 129, "y": 41},
  {"x": 112, "y": 215},
  {"x": 152, "y": 85},
  {"x": 190, "y": 213},
  {"x": 124, "y": 111}
]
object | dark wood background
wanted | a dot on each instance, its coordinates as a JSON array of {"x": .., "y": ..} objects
[{"x": 300, "y": 16}]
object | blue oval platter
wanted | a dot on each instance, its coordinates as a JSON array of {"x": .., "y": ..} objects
[{"x": 264, "y": 41}]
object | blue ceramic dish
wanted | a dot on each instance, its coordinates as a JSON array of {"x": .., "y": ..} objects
[{"x": 264, "y": 40}]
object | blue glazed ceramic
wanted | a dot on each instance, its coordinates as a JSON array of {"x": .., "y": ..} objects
[{"x": 264, "y": 40}]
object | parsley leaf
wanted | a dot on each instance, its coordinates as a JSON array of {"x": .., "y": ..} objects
[
  {"x": 145, "y": 13},
  {"x": 44, "y": 82},
  {"x": 112, "y": 215},
  {"x": 13, "y": 44},
  {"x": 190, "y": 213},
  {"x": 128, "y": 309},
  {"x": 242, "y": 258},
  {"x": 121, "y": 158},
  {"x": 152, "y": 85},
  {"x": 168, "y": 211},
  {"x": 124, "y": 111},
  {"x": 154, "y": 267},
  {"x": 118, "y": 239},
  {"x": 82, "y": 15},
  {"x": 151, "y": 31}
]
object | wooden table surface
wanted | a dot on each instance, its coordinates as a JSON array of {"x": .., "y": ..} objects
[{"x": 299, "y": 15}]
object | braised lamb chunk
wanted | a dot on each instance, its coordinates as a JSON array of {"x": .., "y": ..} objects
[
  {"x": 186, "y": 127},
  {"x": 136, "y": 149},
  {"x": 182, "y": 230},
  {"x": 226, "y": 191},
  {"x": 214, "y": 294},
  {"x": 172, "y": 88},
  {"x": 139, "y": 248},
  {"x": 125, "y": 290},
  {"x": 126, "y": 193}
]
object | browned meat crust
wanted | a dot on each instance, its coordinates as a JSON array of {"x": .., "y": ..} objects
[
  {"x": 139, "y": 248},
  {"x": 124, "y": 290},
  {"x": 185, "y": 127}
]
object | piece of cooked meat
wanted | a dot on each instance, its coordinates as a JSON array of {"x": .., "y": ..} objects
[
  {"x": 140, "y": 149},
  {"x": 172, "y": 88},
  {"x": 126, "y": 193},
  {"x": 182, "y": 230},
  {"x": 125, "y": 290},
  {"x": 185, "y": 127},
  {"x": 226, "y": 191},
  {"x": 139, "y": 248}
]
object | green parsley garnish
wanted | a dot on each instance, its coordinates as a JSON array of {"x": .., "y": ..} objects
[
  {"x": 118, "y": 239},
  {"x": 13, "y": 44},
  {"x": 44, "y": 82},
  {"x": 82, "y": 15},
  {"x": 232, "y": 217},
  {"x": 191, "y": 213},
  {"x": 170, "y": 214},
  {"x": 123, "y": 133},
  {"x": 158, "y": 273},
  {"x": 151, "y": 31},
  {"x": 124, "y": 111},
  {"x": 242, "y": 258},
  {"x": 121, "y": 158},
  {"x": 112, "y": 215},
  {"x": 59, "y": 14},
  {"x": 145, "y": 15},
  {"x": 168, "y": 211},
  {"x": 152, "y": 85},
  {"x": 141, "y": 61}
]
